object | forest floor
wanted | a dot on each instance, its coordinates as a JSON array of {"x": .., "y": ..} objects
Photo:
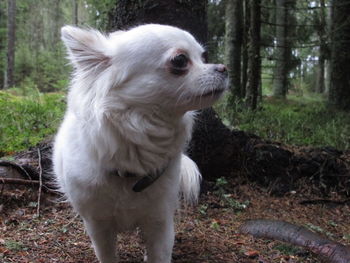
[{"x": 205, "y": 233}]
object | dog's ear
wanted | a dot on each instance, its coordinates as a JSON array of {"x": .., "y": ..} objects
[{"x": 86, "y": 48}]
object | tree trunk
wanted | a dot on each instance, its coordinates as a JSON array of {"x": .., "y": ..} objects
[
  {"x": 2, "y": 48},
  {"x": 322, "y": 25},
  {"x": 245, "y": 47},
  {"x": 254, "y": 60},
  {"x": 186, "y": 14},
  {"x": 57, "y": 23},
  {"x": 233, "y": 44},
  {"x": 11, "y": 37},
  {"x": 339, "y": 93},
  {"x": 280, "y": 81},
  {"x": 75, "y": 12},
  {"x": 329, "y": 53},
  {"x": 322, "y": 246}
]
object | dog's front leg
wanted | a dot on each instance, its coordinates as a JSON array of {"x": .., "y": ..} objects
[
  {"x": 159, "y": 235},
  {"x": 103, "y": 238}
]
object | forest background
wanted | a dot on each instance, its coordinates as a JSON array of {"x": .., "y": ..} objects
[
  {"x": 288, "y": 95},
  {"x": 289, "y": 62}
]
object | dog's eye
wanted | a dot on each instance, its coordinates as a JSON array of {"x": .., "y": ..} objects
[{"x": 179, "y": 61}]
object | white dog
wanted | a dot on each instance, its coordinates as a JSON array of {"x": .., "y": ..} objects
[{"x": 118, "y": 154}]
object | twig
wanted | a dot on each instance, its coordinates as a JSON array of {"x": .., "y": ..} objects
[
  {"x": 17, "y": 181},
  {"x": 16, "y": 166},
  {"x": 40, "y": 183},
  {"x": 324, "y": 201},
  {"x": 71, "y": 221}
]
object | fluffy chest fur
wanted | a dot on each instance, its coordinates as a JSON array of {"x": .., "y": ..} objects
[
  {"x": 140, "y": 142},
  {"x": 134, "y": 140}
]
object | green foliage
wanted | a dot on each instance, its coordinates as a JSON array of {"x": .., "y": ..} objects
[
  {"x": 25, "y": 121},
  {"x": 203, "y": 209},
  {"x": 220, "y": 182},
  {"x": 227, "y": 200},
  {"x": 39, "y": 55},
  {"x": 299, "y": 120},
  {"x": 14, "y": 245},
  {"x": 234, "y": 204},
  {"x": 99, "y": 11},
  {"x": 45, "y": 69}
]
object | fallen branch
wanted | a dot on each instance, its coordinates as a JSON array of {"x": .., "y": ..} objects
[
  {"x": 17, "y": 167},
  {"x": 18, "y": 181},
  {"x": 333, "y": 251},
  {"x": 324, "y": 201}
]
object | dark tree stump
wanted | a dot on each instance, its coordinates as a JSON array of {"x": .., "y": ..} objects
[{"x": 219, "y": 151}]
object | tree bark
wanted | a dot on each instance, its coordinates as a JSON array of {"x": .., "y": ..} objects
[
  {"x": 329, "y": 14},
  {"x": 185, "y": 14},
  {"x": 75, "y": 12},
  {"x": 280, "y": 81},
  {"x": 233, "y": 45},
  {"x": 339, "y": 93},
  {"x": 2, "y": 49},
  {"x": 322, "y": 25},
  {"x": 11, "y": 37},
  {"x": 57, "y": 23},
  {"x": 244, "y": 78},
  {"x": 254, "y": 60}
]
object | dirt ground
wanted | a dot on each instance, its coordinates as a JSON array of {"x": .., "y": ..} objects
[{"x": 205, "y": 233}]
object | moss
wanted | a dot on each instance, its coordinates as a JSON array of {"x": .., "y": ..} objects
[{"x": 25, "y": 121}]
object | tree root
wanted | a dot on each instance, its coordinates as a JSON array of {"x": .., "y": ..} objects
[{"x": 331, "y": 250}]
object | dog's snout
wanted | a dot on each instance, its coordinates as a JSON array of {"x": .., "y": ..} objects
[{"x": 220, "y": 68}]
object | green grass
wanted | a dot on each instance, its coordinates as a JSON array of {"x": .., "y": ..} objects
[
  {"x": 298, "y": 120},
  {"x": 28, "y": 117},
  {"x": 27, "y": 120}
]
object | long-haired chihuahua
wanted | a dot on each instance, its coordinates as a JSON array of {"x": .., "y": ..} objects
[{"x": 118, "y": 155}]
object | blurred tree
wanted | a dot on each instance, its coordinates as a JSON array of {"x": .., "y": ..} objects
[
  {"x": 339, "y": 93},
  {"x": 254, "y": 60},
  {"x": 216, "y": 31},
  {"x": 11, "y": 38},
  {"x": 321, "y": 25},
  {"x": 245, "y": 41},
  {"x": 3, "y": 39},
  {"x": 75, "y": 12},
  {"x": 283, "y": 47},
  {"x": 233, "y": 46}
]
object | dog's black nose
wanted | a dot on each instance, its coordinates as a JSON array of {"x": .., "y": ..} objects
[{"x": 220, "y": 68}]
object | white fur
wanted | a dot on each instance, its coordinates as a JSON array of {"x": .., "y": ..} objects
[{"x": 128, "y": 113}]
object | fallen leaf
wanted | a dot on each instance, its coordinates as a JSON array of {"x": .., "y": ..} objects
[{"x": 251, "y": 253}]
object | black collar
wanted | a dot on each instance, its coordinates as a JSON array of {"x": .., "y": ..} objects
[{"x": 145, "y": 181}]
